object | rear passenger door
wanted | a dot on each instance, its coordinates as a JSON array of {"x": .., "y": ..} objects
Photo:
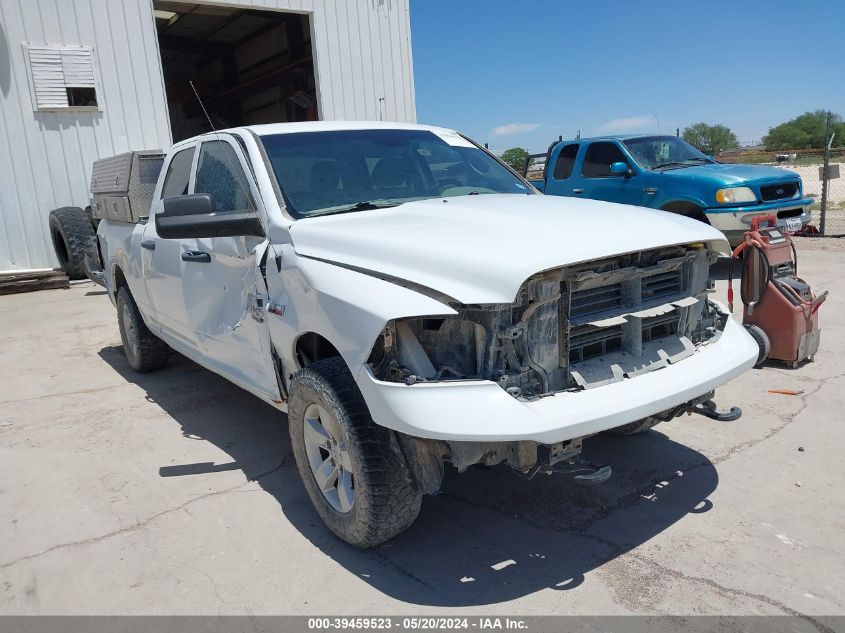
[
  {"x": 161, "y": 258},
  {"x": 596, "y": 181},
  {"x": 559, "y": 177}
]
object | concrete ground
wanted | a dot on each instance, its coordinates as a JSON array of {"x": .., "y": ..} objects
[{"x": 176, "y": 493}]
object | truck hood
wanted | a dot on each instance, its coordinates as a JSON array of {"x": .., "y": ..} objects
[
  {"x": 480, "y": 249},
  {"x": 722, "y": 174}
]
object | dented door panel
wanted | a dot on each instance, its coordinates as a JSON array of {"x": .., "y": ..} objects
[{"x": 221, "y": 298}]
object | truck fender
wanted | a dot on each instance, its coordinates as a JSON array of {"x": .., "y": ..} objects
[
  {"x": 346, "y": 307},
  {"x": 118, "y": 242}
]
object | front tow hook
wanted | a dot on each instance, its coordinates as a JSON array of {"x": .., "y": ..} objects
[
  {"x": 600, "y": 475},
  {"x": 583, "y": 472},
  {"x": 708, "y": 410}
]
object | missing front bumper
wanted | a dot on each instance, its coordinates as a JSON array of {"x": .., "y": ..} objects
[{"x": 480, "y": 410}]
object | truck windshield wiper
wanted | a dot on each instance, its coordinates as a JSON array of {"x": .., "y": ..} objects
[
  {"x": 680, "y": 163},
  {"x": 364, "y": 205}
]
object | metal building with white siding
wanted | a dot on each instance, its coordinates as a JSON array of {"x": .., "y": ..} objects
[{"x": 86, "y": 79}]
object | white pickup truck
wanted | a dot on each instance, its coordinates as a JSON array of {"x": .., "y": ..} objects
[{"x": 410, "y": 301}]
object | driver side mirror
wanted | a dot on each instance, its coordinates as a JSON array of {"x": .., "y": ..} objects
[
  {"x": 621, "y": 169},
  {"x": 195, "y": 216}
]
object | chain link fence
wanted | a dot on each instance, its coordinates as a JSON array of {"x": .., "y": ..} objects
[{"x": 823, "y": 176}]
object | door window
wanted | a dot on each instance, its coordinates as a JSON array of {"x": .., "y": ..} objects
[
  {"x": 219, "y": 173},
  {"x": 599, "y": 158},
  {"x": 565, "y": 162},
  {"x": 178, "y": 174}
]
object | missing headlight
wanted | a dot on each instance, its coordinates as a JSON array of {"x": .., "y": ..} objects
[{"x": 431, "y": 348}]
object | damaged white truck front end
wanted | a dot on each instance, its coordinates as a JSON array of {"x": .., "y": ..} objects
[
  {"x": 541, "y": 337},
  {"x": 411, "y": 302}
]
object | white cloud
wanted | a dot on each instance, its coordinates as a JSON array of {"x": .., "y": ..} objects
[
  {"x": 514, "y": 128},
  {"x": 627, "y": 124}
]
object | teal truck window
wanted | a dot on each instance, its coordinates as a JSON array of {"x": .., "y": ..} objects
[
  {"x": 599, "y": 158},
  {"x": 565, "y": 162}
]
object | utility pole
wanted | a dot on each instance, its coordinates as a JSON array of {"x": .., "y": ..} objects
[
  {"x": 678, "y": 132},
  {"x": 578, "y": 136}
]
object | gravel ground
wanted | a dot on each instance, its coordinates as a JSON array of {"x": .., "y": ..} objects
[{"x": 175, "y": 492}]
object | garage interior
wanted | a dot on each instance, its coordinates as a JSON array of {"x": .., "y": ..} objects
[{"x": 249, "y": 66}]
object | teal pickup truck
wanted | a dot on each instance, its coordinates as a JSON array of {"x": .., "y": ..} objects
[{"x": 665, "y": 172}]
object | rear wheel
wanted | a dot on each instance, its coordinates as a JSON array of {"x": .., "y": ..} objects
[
  {"x": 144, "y": 350},
  {"x": 356, "y": 481},
  {"x": 73, "y": 238}
]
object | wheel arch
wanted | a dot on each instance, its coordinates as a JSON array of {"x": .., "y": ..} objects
[
  {"x": 118, "y": 281},
  {"x": 310, "y": 347},
  {"x": 687, "y": 207}
]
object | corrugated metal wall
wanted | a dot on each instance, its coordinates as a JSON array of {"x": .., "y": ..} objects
[
  {"x": 45, "y": 157},
  {"x": 362, "y": 61}
]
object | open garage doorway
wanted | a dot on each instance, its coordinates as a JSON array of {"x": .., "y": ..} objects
[{"x": 249, "y": 66}]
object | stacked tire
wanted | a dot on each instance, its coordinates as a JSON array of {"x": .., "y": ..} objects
[{"x": 74, "y": 238}]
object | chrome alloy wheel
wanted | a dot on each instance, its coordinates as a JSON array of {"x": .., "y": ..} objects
[{"x": 328, "y": 456}]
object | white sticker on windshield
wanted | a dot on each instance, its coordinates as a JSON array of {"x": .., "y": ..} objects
[{"x": 453, "y": 138}]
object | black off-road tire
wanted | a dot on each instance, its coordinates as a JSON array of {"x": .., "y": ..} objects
[
  {"x": 386, "y": 502},
  {"x": 634, "y": 427},
  {"x": 73, "y": 238},
  {"x": 144, "y": 350},
  {"x": 763, "y": 343}
]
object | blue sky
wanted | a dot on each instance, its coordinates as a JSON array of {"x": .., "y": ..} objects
[{"x": 521, "y": 73}]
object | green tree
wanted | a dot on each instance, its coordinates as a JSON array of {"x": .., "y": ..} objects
[
  {"x": 804, "y": 132},
  {"x": 516, "y": 157},
  {"x": 710, "y": 139}
]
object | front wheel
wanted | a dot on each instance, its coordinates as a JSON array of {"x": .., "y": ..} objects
[
  {"x": 356, "y": 481},
  {"x": 686, "y": 209}
]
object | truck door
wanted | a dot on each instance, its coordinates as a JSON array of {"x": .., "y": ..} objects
[
  {"x": 161, "y": 259},
  {"x": 597, "y": 181},
  {"x": 223, "y": 287},
  {"x": 559, "y": 171}
]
